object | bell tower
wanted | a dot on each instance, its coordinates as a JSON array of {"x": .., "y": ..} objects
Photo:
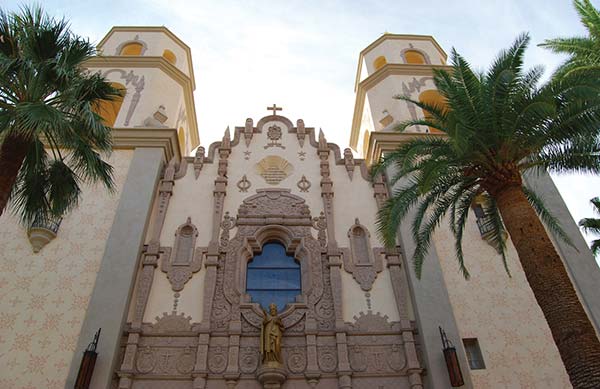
[
  {"x": 392, "y": 65},
  {"x": 154, "y": 68}
]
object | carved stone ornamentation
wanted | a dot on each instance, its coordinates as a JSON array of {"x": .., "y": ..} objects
[
  {"x": 362, "y": 262},
  {"x": 349, "y": 162},
  {"x": 274, "y": 169},
  {"x": 217, "y": 359},
  {"x": 169, "y": 323},
  {"x": 184, "y": 259},
  {"x": 226, "y": 225},
  {"x": 157, "y": 120},
  {"x": 198, "y": 161},
  {"x": 274, "y": 134},
  {"x": 358, "y": 359},
  {"x": 244, "y": 184},
  {"x": 327, "y": 358},
  {"x": 303, "y": 184},
  {"x": 296, "y": 359},
  {"x": 249, "y": 359},
  {"x": 372, "y": 322},
  {"x": 146, "y": 361},
  {"x": 248, "y": 131},
  {"x": 320, "y": 224},
  {"x": 300, "y": 132}
]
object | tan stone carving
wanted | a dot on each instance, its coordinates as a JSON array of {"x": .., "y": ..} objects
[
  {"x": 184, "y": 259},
  {"x": 320, "y": 224},
  {"x": 300, "y": 131},
  {"x": 244, "y": 184},
  {"x": 349, "y": 162},
  {"x": 372, "y": 322},
  {"x": 274, "y": 134},
  {"x": 274, "y": 169},
  {"x": 304, "y": 185},
  {"x": 170, "y": 322},
  {"x": 327, "y": 358},
  {"x": 296, "y": 359},
  {"x": 198, "y": 161},
  {"x": 226, "y": 225},
  {"x": 362, "y": 262},
  {"x": 248, "y": 131},
  {"x": 271, "y": 336}
]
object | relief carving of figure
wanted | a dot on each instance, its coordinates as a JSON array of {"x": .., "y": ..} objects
[{"x": 271, "y": 335}]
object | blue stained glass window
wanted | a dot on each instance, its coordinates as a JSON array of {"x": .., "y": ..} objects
[{"x": 273, "y": 277}]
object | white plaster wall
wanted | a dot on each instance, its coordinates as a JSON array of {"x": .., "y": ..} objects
[
  {"x": 156, "y": 42},
  {"x": 44, "y": 296},
  {"x": 170, "y": 96},
  {"x": 381, "y": 97},
  {"x": 502, "y": 312},
  {"x": 366, "y": 124}
]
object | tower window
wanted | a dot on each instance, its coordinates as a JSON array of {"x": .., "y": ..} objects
[
  {"x": 169, "y": 56},
  {"x": 132, "y": 48},
  {"x": 379, "y": 62},
  {"x": 414, "y": 57},
  {"x": 273, "y": 277},
  {"x": 434, "y": 98},
  {"x": 473, "y": 353}
]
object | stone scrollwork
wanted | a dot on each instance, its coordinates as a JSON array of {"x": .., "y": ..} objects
[
  {"x": 249, "y": 359},
  {"x": 327, "y": 358},
  {"x": 226, "y": 225},
  {"x": 185, "y": 259},
  {"x": 320, "y": 224},
  {"x": 296, "y": 359},
  {"x": 362, "y": 262}
]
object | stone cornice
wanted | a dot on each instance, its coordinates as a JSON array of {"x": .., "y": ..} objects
[
  {"x": 163, "y": 29},
  {"x": 164, "y": 138},
  {"x": 388, "y": 36},
  {"x": 387, "y": 70},
  {"x": 384, "y": 141},
  {"x": 165, "y": 66}
]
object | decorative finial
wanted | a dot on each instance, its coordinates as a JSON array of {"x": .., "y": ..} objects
[{"x": 274, "y": 108}]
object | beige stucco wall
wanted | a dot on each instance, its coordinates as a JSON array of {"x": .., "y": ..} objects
[
  {"x": 44, "y": 296},
  {"x": 194, "y": 198},
  {"x": 501, "y": 312}
]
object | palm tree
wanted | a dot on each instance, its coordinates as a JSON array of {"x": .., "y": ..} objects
[
  {"x": 51, "y": 139},
  {"x": 584, "y": 52},
  {"x": 498, "y": 125},
  {"x": 592, "y": 225}
]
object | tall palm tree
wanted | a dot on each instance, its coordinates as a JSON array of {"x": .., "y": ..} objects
[
  {"x": 51, "y": 139},
  {"x": 584, "y": 52},
  {"x": 498, "y": 125},
  {"x": 592, "y": 225}
]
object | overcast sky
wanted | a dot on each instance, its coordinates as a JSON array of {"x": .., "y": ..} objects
[{"x": 303, "y": 55}]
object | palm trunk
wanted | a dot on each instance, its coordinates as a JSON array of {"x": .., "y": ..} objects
[
  {"x": 571, "y": 328},
  {"x": 12, "y": 153}
]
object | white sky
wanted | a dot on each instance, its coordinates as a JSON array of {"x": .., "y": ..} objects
[{"x": 303, "y": 55}]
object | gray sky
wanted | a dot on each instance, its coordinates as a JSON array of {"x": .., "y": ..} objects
[{"x": 303, "y": 55}]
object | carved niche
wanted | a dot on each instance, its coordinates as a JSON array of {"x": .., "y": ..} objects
[
  {"x": 185, "y": 259},
  {"x": 273, "y": 215},
  {"x": 361, "y": 261}
]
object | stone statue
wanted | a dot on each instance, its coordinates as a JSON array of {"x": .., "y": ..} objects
[{"x": 271, "y": 335}]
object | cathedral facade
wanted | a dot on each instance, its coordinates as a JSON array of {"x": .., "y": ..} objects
[{"x": 256, "y": 262}]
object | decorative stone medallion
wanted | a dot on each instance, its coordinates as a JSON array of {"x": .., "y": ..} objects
[{"x": 274, "y": 169}]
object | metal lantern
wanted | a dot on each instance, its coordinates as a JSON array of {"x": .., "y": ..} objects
[
  {"x": 456, "y": 378},
  {"x": 86, "y": 369}
]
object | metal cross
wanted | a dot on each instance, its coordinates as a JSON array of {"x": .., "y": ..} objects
[{"x": 274, "y": 108}]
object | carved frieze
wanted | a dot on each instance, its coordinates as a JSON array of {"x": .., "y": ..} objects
[
  {"x": 217, "y": 359},
  {"x": 327, "y": 358},
  {"x": 372, "y": 323},
  {"x": 249, "y": 359},
  {"x": 169, "y": 323},
  {"x": 296, "y": 359},
  {"x": 166, "y": 361}
]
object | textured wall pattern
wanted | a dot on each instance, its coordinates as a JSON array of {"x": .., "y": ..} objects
[
  {"x": 43, "y": 297},
  {"x": 502, "y": 313}
]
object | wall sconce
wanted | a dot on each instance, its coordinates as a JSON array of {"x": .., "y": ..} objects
[
  {"x": 456, "y": 378},
  {"x": 42, "y": 231},
  {"x": 86, "y": 369}
]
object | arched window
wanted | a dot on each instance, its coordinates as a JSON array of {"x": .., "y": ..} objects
[
  {"x": 169, "y": 56},
  {"x": 432, "y": 97},
  {"x": 132, "y": 48},
  {"x": 109, "y": 109},
  {"x": 273, "y": 277},
  {"x": 379, "y": 62},
  {"x": 414, "y": 57}
]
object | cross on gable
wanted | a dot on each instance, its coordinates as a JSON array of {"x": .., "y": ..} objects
[{"x": 274, "y": 108}]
